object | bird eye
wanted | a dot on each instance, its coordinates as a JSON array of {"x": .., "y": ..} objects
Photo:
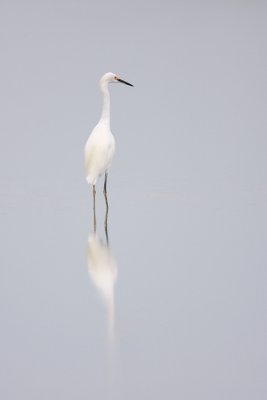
[{"x": 115, "y": 77}]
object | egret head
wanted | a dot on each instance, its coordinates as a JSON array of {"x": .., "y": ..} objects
[{"x": 109, "y": 77}]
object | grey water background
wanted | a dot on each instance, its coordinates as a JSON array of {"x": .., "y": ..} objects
[{"x": 187, "y": 194}]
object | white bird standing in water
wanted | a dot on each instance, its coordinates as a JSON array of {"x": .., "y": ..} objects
[{"x": 100, "y": 146}]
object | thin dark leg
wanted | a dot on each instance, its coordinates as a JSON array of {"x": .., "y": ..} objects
[
  {"x": 106, "y": 198},
  {"x": 106, "y": 232},
  {"x": 94, "y": 192}
]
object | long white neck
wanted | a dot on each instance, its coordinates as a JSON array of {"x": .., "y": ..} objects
[{"x": 105, "y": 116}]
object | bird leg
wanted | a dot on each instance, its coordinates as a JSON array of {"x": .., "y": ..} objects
[
  {"x": 106, "y": 198},
  {"x": 94, "y": 192},
  {"x": 106, "y": 232}
]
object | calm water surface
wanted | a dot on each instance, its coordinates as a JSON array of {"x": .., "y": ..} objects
[{"x": 174, "y": 303}]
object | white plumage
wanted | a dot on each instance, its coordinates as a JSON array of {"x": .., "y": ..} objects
[
  {"x": 99, "y": 152},
  {"x": 100, "y": 146}
]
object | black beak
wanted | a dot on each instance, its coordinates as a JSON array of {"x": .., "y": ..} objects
[{"x": 126, "y": 83}]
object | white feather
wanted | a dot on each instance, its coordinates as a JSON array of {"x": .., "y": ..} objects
[{"x": 99, "y": 152}]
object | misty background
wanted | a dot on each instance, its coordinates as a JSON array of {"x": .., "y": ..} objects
[{"x": 187, "y": 192}]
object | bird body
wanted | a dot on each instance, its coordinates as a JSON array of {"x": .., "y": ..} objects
[
  {"x": 100, "y": 146},
  {"x": 99, "y": 152}
]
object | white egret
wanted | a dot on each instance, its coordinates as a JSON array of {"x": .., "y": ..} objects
[{"x": 100, "y": 146}]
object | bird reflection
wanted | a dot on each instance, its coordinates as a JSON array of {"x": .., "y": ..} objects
[{"x": 102, "y": 270}]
